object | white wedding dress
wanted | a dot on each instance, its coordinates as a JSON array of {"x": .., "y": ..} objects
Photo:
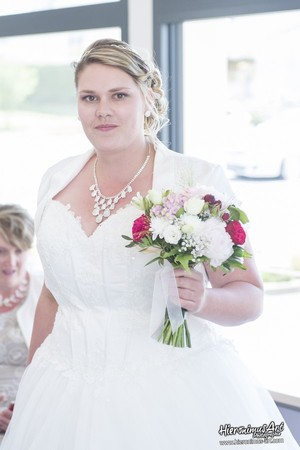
[{"x": 100, "y": 382}]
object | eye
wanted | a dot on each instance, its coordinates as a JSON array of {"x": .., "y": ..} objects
[
  {"x": 121, "y": 95},
  {"x": 89, "y": 98},
  {"x": 3, "y": 252}
]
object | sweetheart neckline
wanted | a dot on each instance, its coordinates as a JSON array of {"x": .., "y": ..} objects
[{"x": 68, "y": 209}]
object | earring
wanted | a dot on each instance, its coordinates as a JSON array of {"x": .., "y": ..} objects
[{"x": 147, "y": 113}]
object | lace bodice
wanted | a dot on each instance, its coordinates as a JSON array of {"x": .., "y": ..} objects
[
  {"x": 104, "y": 292},
  {"x": 95, "y": 271}
]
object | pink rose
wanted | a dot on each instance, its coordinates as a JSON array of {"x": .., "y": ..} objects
[
  {"x": 236, "y": 232},
  {"x": 140, "y": 228}
]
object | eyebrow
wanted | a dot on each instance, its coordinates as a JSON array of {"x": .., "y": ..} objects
[{"x": 117, "y": 89}]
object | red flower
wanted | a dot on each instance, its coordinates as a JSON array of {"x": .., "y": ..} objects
[
  {"x": 208, "y": 198},
  {"x": 225, "y": 217},
  {"x": 236, "y": 232},
  {"x": 140, "y": 228}
]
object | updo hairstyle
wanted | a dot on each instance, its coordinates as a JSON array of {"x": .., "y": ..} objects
[{"x": 119, "y": 54}]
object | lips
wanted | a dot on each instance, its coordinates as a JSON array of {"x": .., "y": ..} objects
[
  {"x": 106, "y": 127},
  {"x": 8, "y": 272}
]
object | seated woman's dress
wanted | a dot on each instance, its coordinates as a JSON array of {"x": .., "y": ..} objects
[{"x": 13, "y": 357}]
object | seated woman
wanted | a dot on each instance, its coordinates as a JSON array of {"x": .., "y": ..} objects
[{"x": 19, "y": 292}]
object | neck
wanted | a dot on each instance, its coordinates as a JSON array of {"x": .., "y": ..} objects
[{"x": 121, "y": 166}]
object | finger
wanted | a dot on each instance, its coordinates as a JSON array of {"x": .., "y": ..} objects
[
  {"x": 191, "y": 276},
  {"x": 189, "y": 305},
  {"x": 4, "y": 422},
  {"x": 185, "y": 273},
  {"x": 7, "y": 414},
  {"x": 188, "y": 294}
]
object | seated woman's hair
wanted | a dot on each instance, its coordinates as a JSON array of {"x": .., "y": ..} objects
[
  {"x": 16, "y": 226},
  {"x": 146, "y": 74}
]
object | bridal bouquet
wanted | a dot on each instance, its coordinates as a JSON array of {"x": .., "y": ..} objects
[{"x": 195, "y": 225}]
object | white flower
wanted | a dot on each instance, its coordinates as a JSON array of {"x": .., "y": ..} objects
[
  {"x": 194, "y": 205},
  {"x": 214, "y": 241},
  {"x": 138, "y": 201},
  {"x": 172, "y": 234},
  {"x": 158, "y": 225},
  {"x": 189, "y": 223},
  {"x": 154, "y": 196}
]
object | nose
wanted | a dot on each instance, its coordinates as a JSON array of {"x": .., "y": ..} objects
[
  {"x": 11, "y": 258},
  {"x": 102, "y": 114},
  {"x": 103, "y": 108}
]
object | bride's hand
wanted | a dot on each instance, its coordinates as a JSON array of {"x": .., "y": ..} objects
[{"x": 191, "y": 289}]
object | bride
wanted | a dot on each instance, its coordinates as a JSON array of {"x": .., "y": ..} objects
[{"x": 96, "y": 379}]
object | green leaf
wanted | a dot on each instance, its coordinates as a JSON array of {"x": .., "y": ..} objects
[
  {"x": 158, "y": 258},
  {"x": 132, "y": 244},
  {"x": 247, "y": 254},
  {"x": 238, "y": 214},
  {"x": 126, "y": 237},
  {"x": 180, "y": 212},
  {"x": 170, "y": 253},
  {"x": 235, "y": 263},
  {"x": 147, "y": 205},
  {"x": 184, "y": 260},
  {"x": 240, "y": 252}
]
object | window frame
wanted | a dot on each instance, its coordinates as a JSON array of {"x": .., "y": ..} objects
[
  {"x": 104, "y": 15},
  {"x": 168, "y": 17}
]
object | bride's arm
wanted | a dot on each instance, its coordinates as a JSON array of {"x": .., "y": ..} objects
[
  {"x": 43, "y": 321},
  {"x": 233, "y": 299}
]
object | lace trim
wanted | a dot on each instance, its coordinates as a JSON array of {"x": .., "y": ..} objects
[{"x": 68, "y": 208}]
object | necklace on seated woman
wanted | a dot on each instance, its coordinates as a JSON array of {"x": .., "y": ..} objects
[{"x": 17, "y": 296}]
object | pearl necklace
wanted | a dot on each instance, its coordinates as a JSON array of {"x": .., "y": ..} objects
[
  {"x": 19, "y": 294},
  {"x": 104, "y": 205}
]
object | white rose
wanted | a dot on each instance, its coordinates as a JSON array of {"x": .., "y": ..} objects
[
  {"x": 189, "y": 223},
  {"x": 172, "y": 234},
  {"x": 194, "y": 206},
  {"x": 155, "y": 197}
]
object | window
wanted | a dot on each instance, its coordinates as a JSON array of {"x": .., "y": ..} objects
[
  {"x": 235, "y": 95},
  {"x": 38, "y": 117}
]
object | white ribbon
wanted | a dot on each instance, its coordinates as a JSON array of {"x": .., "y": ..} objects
[{"x": 165, "y": 297}]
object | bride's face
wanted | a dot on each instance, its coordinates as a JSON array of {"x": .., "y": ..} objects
[{"x": 111, "y": 107}]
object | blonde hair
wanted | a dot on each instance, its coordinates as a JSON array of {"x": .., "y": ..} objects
[
  {"x": 16, "y": 226},
  {"x": 119, "y": 54}
]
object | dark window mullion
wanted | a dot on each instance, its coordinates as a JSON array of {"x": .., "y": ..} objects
[{"x": 170, "y": 62}]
